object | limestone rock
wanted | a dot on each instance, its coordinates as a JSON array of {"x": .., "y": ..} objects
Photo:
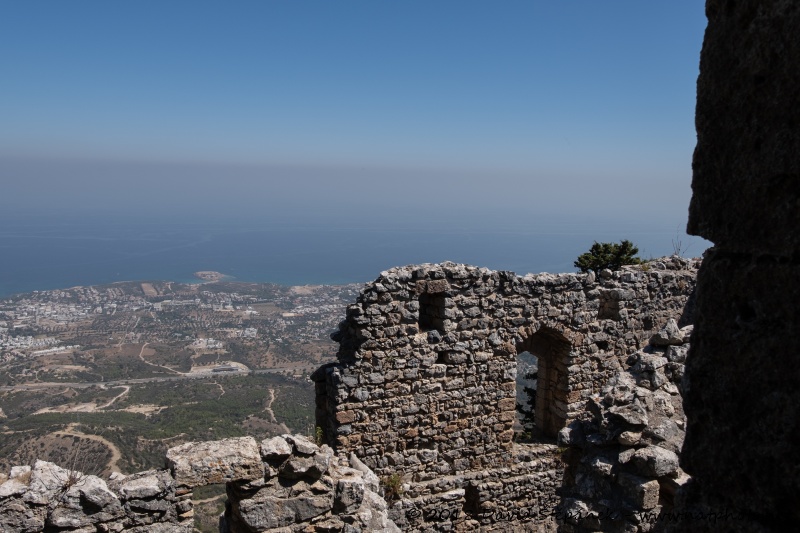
[
  {"x": 142, "y": 485},
  {"x": 642, "y": 492},
  {"x": 12, "y": 487},
  {"x": 205, "y": 463},
  {"x": 655, "y": 461},
  {"x": 314, "y": 467},
  {"x": 349, "y": 494},
  {"x": 668, "y": 335},
  {"x": 301, "y": 444},
  {"x": 265, "y": 511},
  {"x": 20, "y": 518},
  {"x": 275, "y": 448},
  {"x": 630, "y": 414}
]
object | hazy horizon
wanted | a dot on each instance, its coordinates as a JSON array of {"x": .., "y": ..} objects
[{"x": 416, "y": 117}]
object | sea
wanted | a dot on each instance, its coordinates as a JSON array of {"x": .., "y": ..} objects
[{"x": 53, "y": 251}]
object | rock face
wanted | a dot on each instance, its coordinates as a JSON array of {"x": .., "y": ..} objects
[
  {"x": 626, "y": 452},
  {"x": 204, "y": 463},
  {"x": 425, "y": 386},
  {"x": 286, "y": 484},
  {"x": 51, "y": 498},
  {"x": 303, "y": 487},
  {"x": 743, "y": 381}
]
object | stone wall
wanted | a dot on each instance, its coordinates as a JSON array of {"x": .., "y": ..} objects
[
  {"x": 425, "y": 384},
  {"x": 50, "y": 498},
  {"x": 624, "y": 457},
  {"x": 283, "y": 484},
  {"x": 743, "y": 379},
  {"x": 424, "y": 394}
]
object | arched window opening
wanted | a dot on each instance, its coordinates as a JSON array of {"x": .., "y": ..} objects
[{"x": 550, "y": 407}]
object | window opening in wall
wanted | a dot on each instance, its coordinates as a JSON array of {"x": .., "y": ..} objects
[
  {"x": 527, "y": 374},
  {"x": 609, "y": 306},
  {"x": 551, "y": 352},
  {"x": 431, "y": 312}
]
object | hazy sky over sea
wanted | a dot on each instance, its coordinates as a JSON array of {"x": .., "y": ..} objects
[{"x": 473, "y": 111}]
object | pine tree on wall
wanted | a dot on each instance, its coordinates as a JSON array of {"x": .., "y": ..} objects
[{"x": 608, "y": 255}]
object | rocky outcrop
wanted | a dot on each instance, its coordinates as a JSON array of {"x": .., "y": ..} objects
[
  {"x": 742, "y": 378},
  {"x": 284, "y": 484},
  {"x": 50, "y": 498},
  {"x": 303, "y": 487},
  {"x": 625, "y": 456}
]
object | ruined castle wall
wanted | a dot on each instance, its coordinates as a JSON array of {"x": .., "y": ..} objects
[
  {"x": 425, "y": 386},
  {"x": 424, "y": 393},
  {"x": 519, "y": 497},
  {"x": 426, "y": 379}
]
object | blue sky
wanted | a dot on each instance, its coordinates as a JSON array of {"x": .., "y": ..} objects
[{"x": 390, "y": 107}]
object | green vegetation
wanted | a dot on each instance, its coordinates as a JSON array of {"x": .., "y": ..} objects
[
  {"x": 608, "y": 255},
  {"x": 392, "y": 487},
  {"x": 192, "y": 410}
]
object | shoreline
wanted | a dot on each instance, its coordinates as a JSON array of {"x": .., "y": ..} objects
[{"x": 299, "y": 287}]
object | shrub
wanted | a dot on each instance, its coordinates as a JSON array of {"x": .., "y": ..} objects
[
  {"x": 608, "y": 255},
  {"x": 392, "y": 487}
]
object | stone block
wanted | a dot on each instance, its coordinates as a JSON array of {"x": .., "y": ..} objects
[
  {"x": 655, "y": 461},
  {"x": 204, "y": 463},
  {"x": 641, "y": 492}
]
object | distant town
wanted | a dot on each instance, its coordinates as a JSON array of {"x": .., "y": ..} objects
[
  {"x": 118, "y": 373},
  {"x": 75, "y": 334}
]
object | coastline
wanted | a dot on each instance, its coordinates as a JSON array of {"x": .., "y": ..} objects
[{"x": 212, "y": 276}]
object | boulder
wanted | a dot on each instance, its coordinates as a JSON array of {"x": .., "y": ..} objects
[
  {"x": 655, "y": 461},
  {"x": 204, "y": 463}
]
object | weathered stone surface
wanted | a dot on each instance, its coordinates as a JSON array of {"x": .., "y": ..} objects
[
  {"x": 668, "y": 335},
  {"x": 205, "y": 463},
  {"x": 655, "y": 461},
  {"x": 12, "y": 487},
  {"x": 301, "y": 444},
  {"x": 371, "y": 480},
  {"x": 742, "y": 380},
  {"x": 746, "y": 168},
  {"x": 630, "y": 414},
  {"x": 16, "y": 516},
  {"x": 642, "y": 492},
  {"x": 46, "y": 480},
  {"x": 349, "y": 494},
  {"x": 330, "y": 493},
  {"x": 311, "y": 486},
  {"x": 275, "y": 448},
  {"x": 742, "y": 394},
  {"x": 299, "y": 466},
  {"x": 426, "y": 381},
  {"x": 142, "y": 485},
  {"x": 58, "y": 499}
]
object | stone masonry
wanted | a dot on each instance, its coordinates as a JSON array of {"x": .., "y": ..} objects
[
  {"x": 285, "y": 484},
  {"x": 424, "y": 395},
  {"x": 425, "y": 384}
]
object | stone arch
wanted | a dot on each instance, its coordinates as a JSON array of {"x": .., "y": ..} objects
[{"x": 552, "y": 350}]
